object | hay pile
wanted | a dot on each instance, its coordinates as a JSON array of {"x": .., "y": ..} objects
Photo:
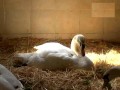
[{"x": 37, "y": 79}]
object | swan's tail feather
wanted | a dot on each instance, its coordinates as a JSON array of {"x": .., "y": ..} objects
[
  {"x": 36, "y": 47},
  {"x": 21, "y": 59}
]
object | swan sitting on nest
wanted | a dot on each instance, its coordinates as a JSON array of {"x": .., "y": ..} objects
[
  {"x": 8, "y": 81},
  {"x": 109, "y": 75},
  {"x": 54, "y": 56}
]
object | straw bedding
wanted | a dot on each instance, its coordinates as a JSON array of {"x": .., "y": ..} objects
[{"x": 36, "y": 79}]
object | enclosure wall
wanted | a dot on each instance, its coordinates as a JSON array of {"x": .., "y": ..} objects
[
  {"x": 1, "y": 17},
  {"x": 96, "y": 19}
]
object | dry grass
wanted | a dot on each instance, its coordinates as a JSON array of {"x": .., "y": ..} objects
[
  {"x": 103, "y": 54},
  {"x": 111, "y": 57}
]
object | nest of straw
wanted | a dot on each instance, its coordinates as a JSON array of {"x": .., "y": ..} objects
[{"x": 37, "y": 79}]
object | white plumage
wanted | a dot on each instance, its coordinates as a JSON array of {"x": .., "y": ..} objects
[
  {"x": 54, "y": 56},
  {"x": 8, "y": 81}
]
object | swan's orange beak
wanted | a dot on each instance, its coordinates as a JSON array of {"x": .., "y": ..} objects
[{"x": 83, "y": 50}]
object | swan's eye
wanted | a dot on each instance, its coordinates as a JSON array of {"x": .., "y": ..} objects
[{"x": 78, "y": 40}]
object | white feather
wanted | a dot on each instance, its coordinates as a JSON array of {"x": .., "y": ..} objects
[{"x": 8, "y": 81}]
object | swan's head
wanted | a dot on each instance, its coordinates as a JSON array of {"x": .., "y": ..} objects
[
  {"x": 106, "y": 83},
  {"x": 78, "y": 45},
  {"x": 109, "y": 75}
]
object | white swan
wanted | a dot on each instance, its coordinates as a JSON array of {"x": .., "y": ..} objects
[
  {"x": 109, "y": 75},
  {"x": 54, "y": 56},
  {"x": 8, "y": 81}
]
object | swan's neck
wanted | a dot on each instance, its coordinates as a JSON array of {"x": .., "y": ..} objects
[{"x": 75, "y": 47}]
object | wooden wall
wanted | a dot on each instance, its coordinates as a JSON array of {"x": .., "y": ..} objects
[{"x": 96, "y": 19}]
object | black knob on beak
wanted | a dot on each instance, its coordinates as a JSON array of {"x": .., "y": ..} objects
[
  {"x": 83, "y": 46},
  {"x": 83, "y": 49}
]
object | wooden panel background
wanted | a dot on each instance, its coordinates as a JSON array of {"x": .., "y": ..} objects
[{"x": 60, "y": 19}]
